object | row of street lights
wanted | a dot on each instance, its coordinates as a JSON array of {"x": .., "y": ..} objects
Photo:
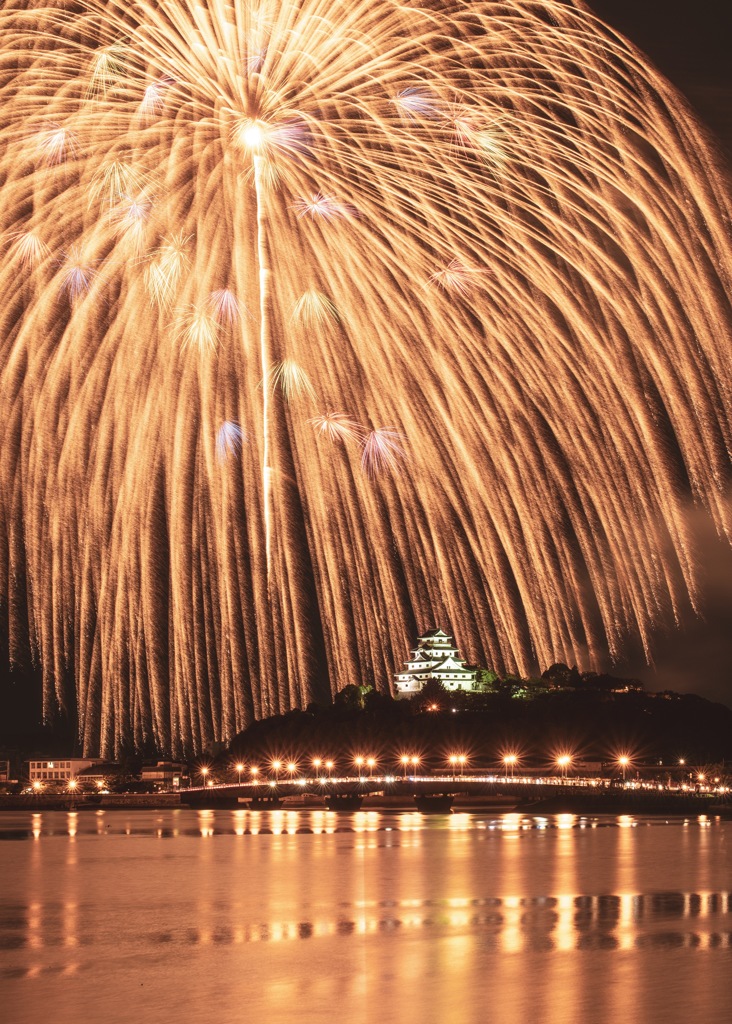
[{"x": 457, "y": 763}]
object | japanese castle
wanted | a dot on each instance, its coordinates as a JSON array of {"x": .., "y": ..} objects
[{"x": 434, "y": 657}]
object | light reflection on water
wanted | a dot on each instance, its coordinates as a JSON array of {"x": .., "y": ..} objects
[
  {"x": 209, "y": 823},
  {"x": 395, "y": 916}
]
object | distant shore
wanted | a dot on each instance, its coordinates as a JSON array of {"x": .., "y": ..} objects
[{"x": 585, "y": 804}]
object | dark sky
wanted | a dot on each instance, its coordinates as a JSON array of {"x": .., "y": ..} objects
[{"x": 690, "y": 41}]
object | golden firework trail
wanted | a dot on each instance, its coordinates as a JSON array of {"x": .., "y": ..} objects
[{"x": 325, "y": 320}]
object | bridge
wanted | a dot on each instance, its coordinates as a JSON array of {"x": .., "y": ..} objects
[{"x": 438, "y": 792}]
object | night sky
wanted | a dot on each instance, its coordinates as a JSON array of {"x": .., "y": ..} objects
[{"x": 690, "y": 44}]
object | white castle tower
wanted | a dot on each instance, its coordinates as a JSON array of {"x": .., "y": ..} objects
[{"x": 434, "y": 657}]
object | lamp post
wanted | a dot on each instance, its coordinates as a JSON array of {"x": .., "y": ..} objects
[
  {"x": 371, "y": 763},
  {"x": 405, "y": 761},
  {"x": 359, "y": 762},
  {"x": 239, "y": 769},
  {"x": 453, "y": 764},
  {"x": 509, "y": 761},
  {"x": 563, "y": 762},
  {"x": 624, "y": 761},
  {"x": 203, "y": 772},
  {"x": 276, "y": 765},
  {"x": 414, "y": 761},
  {"x": 462, "y": 760}
]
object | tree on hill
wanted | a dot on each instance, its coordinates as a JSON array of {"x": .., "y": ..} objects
[
  {"x": 352, "y": 697},
  {"x": 433, "y": 695},
  {"x": 560, "y": 675},
  {"x": 488, "y": 680}
]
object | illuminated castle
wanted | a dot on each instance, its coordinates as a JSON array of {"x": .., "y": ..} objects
[{"x": 436, "y": 658}]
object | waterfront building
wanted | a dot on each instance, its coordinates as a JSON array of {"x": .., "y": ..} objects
[
  {"x": 99, "y": 776},
  {"x": 435, "y": 658},
  {"x": 56, "y": 772},
  {"x": 163, "y": 776}
]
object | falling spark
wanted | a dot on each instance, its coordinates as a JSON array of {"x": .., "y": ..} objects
[
  {"x": 108, "y": 66},
  {"x": 455, "y": 277},
  {"x": 229, "y": 440},
  {"x": 196, "y": 328},
  {"x": 30, "y": 249},
  {"x": 417, "y": 102},
  {"x": 115, "y": 180},
  {"x": 55, "y": 144},
  {"x": 153, "y": 100},
  {"x": 313, "y": 309},
  {"x": 293, "y": 380},
  {"x": 382, "y": 450},
  {"x": 225, "y": 307},
  {"x": 318, "y": 206},
  {"x": 130, "y": 217},
  {"x": 255, "y": 60},
  {"x": 77, "y": 273},
  {"x": 337, "y": 426},
  {"x": 164, "y": 272}
]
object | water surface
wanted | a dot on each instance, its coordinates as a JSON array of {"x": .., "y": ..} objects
[{"x": 314, "y": 916}]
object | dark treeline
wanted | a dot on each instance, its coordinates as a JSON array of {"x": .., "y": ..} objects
[
  {"x": 595, "y": 716},
  {"x": 591, "y": 723}
]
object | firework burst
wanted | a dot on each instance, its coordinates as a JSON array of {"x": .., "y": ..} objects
[
  {"x": 229, "y": 440},
  {"x": 337, "y": 426},
  {"x": 488, "y": 224}
]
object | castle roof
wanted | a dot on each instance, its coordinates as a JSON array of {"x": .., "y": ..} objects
[{"x": 451, "y": 665}]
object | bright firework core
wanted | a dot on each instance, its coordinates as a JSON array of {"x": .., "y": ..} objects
[
  {"x": 252, "y": 135},
  {"x": 437, "y": 334}
]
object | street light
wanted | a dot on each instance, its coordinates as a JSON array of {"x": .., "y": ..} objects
[
  {"x": 359, "y": 762},
  {"x": 405, "y": 761},
  {"x": 292, "y": 768},
  {"x": 254, "y": 772},
  {"x": 239, "y": 769},
  {"x": 509, "y": 761},
  {"x": 624, "y": 761},
  {"x": 329, "y": 768},
  {"x": 276, "y": 765},
  {"x": 317, "y": 761},
  {"x": 414, "y": 762},
  {"x": 371, "y": 763},
  {"x": 462, "y": 759},
  {"x": 203, "y": 772},
  {"x": 563, "y": 762},
  {"x": 453, "y": 763}
]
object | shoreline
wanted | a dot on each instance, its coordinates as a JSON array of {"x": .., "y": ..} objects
[{"x": 582, "y": 805}]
